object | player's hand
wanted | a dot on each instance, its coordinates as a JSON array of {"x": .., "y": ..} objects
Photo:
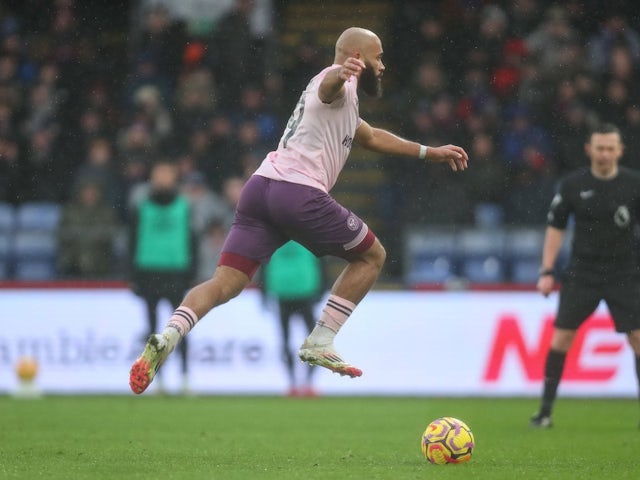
[
  {"x": 545, "y": 284},
  {"x": 351, "y": 67},
  {"x": 455, "y": 156}
]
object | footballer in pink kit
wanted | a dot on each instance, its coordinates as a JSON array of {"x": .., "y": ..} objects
[{"x": 287, "y": 198}]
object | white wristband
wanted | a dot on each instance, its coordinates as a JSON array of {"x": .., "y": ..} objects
[{"x": 423, "y": 152}]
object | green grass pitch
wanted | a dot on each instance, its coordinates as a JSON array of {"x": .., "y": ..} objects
[{"x": 338, "y": 438}]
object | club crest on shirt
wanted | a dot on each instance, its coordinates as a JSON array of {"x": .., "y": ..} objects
[
  {"x": 622, "y": 216},
  {"x": 586, "y": 194},
  {"x": 347, "y": 141},
  {"x": 352, "y": 223}
]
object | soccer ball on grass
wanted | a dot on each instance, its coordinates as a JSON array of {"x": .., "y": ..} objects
[
  {"x": 26, "y": 369},
  {"x": 447, "y": 440}
]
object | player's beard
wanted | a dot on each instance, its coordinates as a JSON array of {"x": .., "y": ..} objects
[{"x": 370, "y": 83}]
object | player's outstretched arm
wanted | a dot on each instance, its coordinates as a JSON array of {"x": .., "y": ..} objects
[
  {"x": 331, "y": 87},
  {"x": 455, "y": 156},
  {"x": 379, "y": 140}
]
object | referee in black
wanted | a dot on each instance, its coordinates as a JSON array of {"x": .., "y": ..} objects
[{"x": 604, "y": 201}]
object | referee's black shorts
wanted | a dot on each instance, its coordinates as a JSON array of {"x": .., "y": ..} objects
[{"x": 579, "y": 299}]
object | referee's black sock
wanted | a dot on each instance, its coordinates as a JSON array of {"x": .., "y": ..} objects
[
  {"x": 552, "y": 374},
  {"x": 638, "y": 373}
]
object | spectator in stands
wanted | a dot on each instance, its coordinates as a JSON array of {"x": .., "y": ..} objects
[
  {"x": 13, "y": 44},
  {"x": 10, "y": 174},
  {"x": 614, "y": 32},
  {"x": 443, "y": 201},
  {"x": 92, "y": 115},
  {"x": 555, "y": 45},
  {"x": 231, "y": 190},
  {"x": 225, "y": 151},
  {"x": 587, "y": 89},
  {"x": 44, "y": 179},
  {"x": 631, "y": 134},
  {"x": 252, "y": 108},
  {"x": 617, "y": 97},
  {"x": 7, "y": 120},
  {"x": 428, "y": 84},
  {"x": 146, "y": 74},
  {"x": 524, "y": 17},
  {"x": 477, "y": 107},
  {"x": 493, "y": 31},
  {"x": 250, "y": 140},
  {"x": 304, "y": 59},
  {"x": 136, "y": 148},
  {"x": 533, "y": 91},
  {"x": 91, "y": 123},
  {"x": 162, "y": 41},
  {"x": 195, "y": 100},
  {"x": 507, "y": 76},
  {"x": 199, "y": 150},
  {"x": 522, "y": 133},
  {"x": 151, "y": 110},
  {"x": 235, "y": 53},
  {"x": 162, "y": 247},
  {"x": 209, "y": 249},
  {"x": 489, "y": 182},
  {"x": 250, "y": 161},
  {"x": 100, "y": 167},
  {"x": 530, "y": 183},
  {"x": 445, "y": 121},
  {"x": 294, "y": 279},
  {"x": 46, "y": 100},
  {"x": 621, "y": 65},
  {"x": 572, "y": 126},
  {"x": 86, "y": 234},
  {"x": 207, "y": 206},
  {"x": 10, "y": 82}
]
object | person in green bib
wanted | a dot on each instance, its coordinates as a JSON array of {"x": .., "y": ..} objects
[
  {"x": 162, "y": 246},
  {"x": 294, "y": 278}
]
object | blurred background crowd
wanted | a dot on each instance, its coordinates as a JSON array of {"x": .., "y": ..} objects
[{"x": 92, "y": 94}]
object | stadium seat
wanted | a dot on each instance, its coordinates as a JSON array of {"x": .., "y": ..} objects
[
  {"x": 4, "y": 270},
  {"x": 7, "y": 217},
  {"x": 5, "y": 255},
  {"x": 481, "y": 255},
  {"x": 483, "y": 269},
  {"x": 5, "y": 245},
  {"x": 523, "y": 250},
  {"x": 34, "y": 270},
  {"x": 430, "y": 255},
  {"x": 431, "y": 269},
  {"x": 525, "y": 270},
  {"x": 34, "y": 245},
  {"x": 34, "y": 254},
  {"x": 38, "y": 216},
  {"x": 524, "y": 242},
  {"x": 480, "y": 242},
  {"x": 488, "y": 215}
]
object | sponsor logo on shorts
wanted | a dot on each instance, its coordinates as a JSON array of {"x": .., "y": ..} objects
[{"x": 352, "y": 223}]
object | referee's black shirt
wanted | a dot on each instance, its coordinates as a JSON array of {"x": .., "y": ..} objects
[{"x": 605, "y": 215}]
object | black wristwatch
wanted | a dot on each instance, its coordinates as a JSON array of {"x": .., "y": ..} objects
[{"x": 546, "y": 271}]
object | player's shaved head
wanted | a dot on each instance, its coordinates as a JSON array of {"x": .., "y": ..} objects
[{"x": 354, "y": 40}]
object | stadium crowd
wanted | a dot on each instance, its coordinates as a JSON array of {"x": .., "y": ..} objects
[{"x": 87, "y": 106}]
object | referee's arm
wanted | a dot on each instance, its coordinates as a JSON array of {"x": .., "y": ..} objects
[{"x": 552, "y": 242}]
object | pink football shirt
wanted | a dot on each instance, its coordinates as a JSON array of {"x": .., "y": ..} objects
[{"x": 317, "y": 139}]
